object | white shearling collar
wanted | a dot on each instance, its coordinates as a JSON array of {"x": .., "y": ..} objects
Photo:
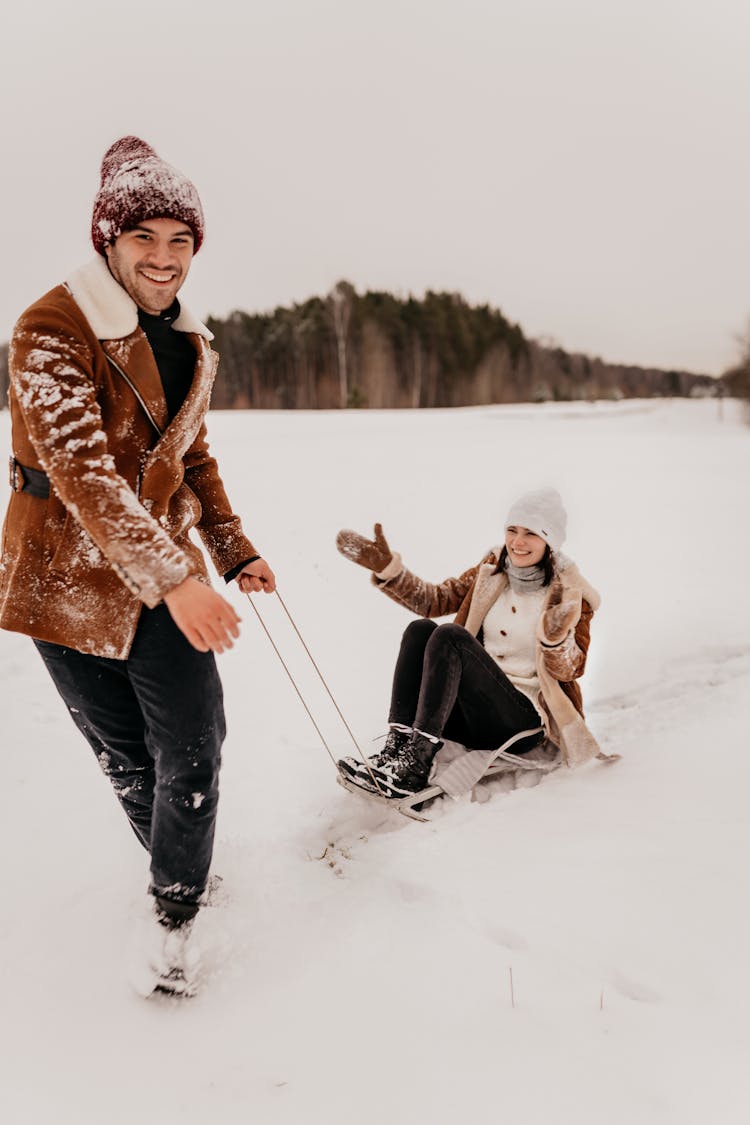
[{"x": 110, "y": 311}]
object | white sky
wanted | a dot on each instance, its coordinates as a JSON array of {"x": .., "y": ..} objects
[{"x": 581, "y": 164}]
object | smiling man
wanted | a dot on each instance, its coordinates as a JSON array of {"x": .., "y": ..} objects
[
  {"x": 110, "y": 385},
  {"x": 151, "y": 262}
]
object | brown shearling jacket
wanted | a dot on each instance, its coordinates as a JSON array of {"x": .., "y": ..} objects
[{"x": 113, "y": 535}]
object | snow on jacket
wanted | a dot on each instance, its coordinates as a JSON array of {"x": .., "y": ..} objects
[
  {"x": 77, "y": 568},
  {"x": 471, "y": 596}
]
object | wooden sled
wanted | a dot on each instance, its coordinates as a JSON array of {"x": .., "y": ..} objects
[{"x": 499, "y": 761}]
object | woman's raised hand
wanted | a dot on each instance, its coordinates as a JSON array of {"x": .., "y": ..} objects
[
  {"x": 374, "y": 554},
  {"x": 560, "y": 615}
]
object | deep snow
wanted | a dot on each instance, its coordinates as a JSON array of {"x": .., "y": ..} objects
[{"x": 360, "y": 967}]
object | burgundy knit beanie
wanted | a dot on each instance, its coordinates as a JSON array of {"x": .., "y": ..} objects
[{"x": 135, "y": 186}]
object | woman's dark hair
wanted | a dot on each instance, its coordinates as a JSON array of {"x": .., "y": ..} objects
[{"x": 546, "y": 562}]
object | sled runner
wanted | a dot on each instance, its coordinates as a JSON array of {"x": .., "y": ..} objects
[
  {"x": 458, "y": 771},
  {"x": 405, "y": 805}
]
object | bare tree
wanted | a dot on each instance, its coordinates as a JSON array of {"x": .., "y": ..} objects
[
  {"x": 736, "y": 381},
  {"x": 340, "y": 301},
  {"x": 418, "y": 366}
]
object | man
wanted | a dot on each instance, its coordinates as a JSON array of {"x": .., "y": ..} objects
[{"x": 110, "y": 385}]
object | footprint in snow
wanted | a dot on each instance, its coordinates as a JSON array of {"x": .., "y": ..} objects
[
  {"x": 502, "y": 935},
  {"x": 634, "y": 990}
]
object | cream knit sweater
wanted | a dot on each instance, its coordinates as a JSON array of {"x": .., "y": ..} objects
[{"x": 509, "y": 632}]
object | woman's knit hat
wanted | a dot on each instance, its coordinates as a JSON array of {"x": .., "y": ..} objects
[
  {"x": 542, "y": 512},
  {"x": 135, "y": 186}
]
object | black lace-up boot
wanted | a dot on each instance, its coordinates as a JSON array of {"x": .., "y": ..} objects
[
  {"x": 408, "y": 770},
  {"x": 356, "y": 769}
]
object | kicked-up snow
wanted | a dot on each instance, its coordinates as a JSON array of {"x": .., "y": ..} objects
[{"x": 574, "y": 951}]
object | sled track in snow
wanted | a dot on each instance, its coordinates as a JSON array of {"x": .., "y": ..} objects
[{"x": 654, "y": 705}]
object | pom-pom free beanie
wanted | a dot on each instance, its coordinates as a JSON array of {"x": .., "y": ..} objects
[
  {"x": 542, "y": 512},
  {"x": 137, "y": 185}
]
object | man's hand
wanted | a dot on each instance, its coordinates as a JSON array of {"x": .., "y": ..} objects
[
  {"x": 374, "y": 554},
  {"x": 257, "y": 576},
  {"x": 208, "y": 621}
]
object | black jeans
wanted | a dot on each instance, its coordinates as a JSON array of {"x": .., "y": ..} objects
[
  {"x": 156, "y": 724},
  {"x": 446, "y": 684}
]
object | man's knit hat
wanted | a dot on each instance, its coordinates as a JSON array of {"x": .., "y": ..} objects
[
  {"x": 135, "y": 186},
  {"x": 543, "y": 513}
]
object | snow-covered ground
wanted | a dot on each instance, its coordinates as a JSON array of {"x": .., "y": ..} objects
[{"x": 361, "y": 965}]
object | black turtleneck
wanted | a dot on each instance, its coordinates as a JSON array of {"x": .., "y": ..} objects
[
  {"x": 175, "y": 358},
  {"x": 173, "y": 352}
]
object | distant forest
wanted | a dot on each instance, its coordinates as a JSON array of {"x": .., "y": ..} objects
[{"x": 377, "y": 350}]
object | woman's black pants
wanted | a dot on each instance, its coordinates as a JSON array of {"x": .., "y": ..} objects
[
  {"x": 156, "y": 724},
  {"x": 447, "y": 685}
]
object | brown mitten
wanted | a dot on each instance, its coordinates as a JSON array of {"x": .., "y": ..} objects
[
  {"x": 374, "y": 554},
  {"x": 560, "y": 616}
]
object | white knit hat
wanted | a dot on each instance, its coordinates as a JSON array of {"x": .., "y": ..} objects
[{"x": 542, "y": 512}]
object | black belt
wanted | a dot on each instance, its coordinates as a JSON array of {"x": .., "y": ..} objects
[{"x": 24, "y": 479}]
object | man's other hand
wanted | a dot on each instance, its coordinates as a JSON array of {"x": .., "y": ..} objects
[
  {"x": 208, "y": 621},
  {"x": 257, "y": 576}
]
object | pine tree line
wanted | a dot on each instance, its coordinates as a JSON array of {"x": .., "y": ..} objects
[
  {"x": 377, "y": 350},
  {"x": 381, "y": 351}
]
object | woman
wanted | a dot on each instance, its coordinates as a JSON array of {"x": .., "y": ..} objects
[{"x": 508, "y": 663}]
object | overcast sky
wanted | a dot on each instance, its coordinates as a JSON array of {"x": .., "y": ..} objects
[{"x": 584, "y": 165}]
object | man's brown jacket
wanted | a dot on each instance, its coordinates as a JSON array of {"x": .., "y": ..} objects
[{"x": 86, "y": 405}]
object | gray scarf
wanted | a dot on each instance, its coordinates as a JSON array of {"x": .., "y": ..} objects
[{"x": 524, "y": 579}]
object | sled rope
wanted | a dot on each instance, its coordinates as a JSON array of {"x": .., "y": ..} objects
[
  {"x": 320, "y": 675},
  {"x": 322, "y": 680}
]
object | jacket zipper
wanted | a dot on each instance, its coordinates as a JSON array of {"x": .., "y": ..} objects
[
  {"x": 146, "y": 411},
  {"x": 137, "y": 394}
]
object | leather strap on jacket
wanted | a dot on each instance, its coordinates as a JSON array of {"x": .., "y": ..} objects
[{"x": 24, "y": 479}]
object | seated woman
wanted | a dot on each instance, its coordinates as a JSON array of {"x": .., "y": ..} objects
[{"x": 508, "y": 662}]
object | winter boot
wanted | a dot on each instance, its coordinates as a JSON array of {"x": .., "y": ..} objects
[
  {"x": 408, "y": 771},
  {"x": 357, "y": 771},
  {"x": 163, "y": 957}
]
